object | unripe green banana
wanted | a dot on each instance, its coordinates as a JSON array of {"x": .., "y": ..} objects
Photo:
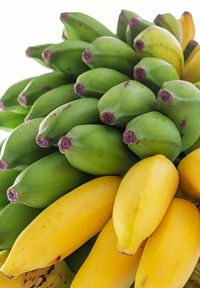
[
  {"x": 20, "y": 150},
  {"x": 35, "y": 52},
  {"x": 122, "y": 23},
  {"x": 189, "y": 48},
  {"x": 95, "y": 82},
  {"x": 96, "y": 149},
  {"x": 153, "y": 133},
  {"x": 180, "y": 101},
  {"x": 10, "y": 120},
  {"x": 124, "y": 101},
  {"x": 6, "y": 180},
  {"x": 160, "y": 43},
  {"x": 45, "y": 180},
  {"x": 110, "y": 52},
  {"x": 50, "y": 100},
  {"x": 62, "y": 119},
  {"x": 66, "y": 57},
  {"x": 13, "y": 219},
  {"x": 153, "y": 72},
  {"x": 9, "y": 99},
  {"x": 169, "y": 22},
  {"x": 79, "y": 26},
  {"x": 40, "y": 85},
  {"x": 134, "y": 27}
]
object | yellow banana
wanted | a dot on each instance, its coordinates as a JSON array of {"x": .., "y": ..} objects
[
  {"x": 142, "y": 200},
  {"x": 3, "y": 257},
  {"x": 193, "y": 53},
  {"x": 191, "y": 71},
  {"x": 188, "y": 28},
  {"x": 63, "y": 226},
  {"x": 105, "y": 266},
  {"x": 160, "y": 43},
  {"x": 189, "y": 171},
  {"x": 172, "y": 251}
]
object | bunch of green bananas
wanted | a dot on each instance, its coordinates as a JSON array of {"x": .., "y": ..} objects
[{"x": 99, "y": 177}]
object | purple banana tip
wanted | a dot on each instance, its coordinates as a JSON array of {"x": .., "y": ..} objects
[
  {"x": 46, "y": 55},
  {"x": 2, "y": 106},
  {"x": 12, "y": 195},
  {"x": 107, "y": 117},
  {"x": 65, "y": 144},
  {"x": 22, "y": 100},
  {"x": 64, "y": 16},
  {"x": 87, "y": 56},
  {"x": 43, "y": 141},
  {"x": 139, "y": 45},
  {"x": 165, "y": 96},
  {"x": 28, "y": 51},
  {"x": 4, "y": 165},
  {"x": 129, "y": 137},
  {"x": 139, "y": 73},
  {"x": 79, "y": 89}
]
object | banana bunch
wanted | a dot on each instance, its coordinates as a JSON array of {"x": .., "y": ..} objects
[{"x": 99, "y": 175}]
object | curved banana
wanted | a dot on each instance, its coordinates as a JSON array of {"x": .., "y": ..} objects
[
  {"x": 188, "y": 28},
  {"x": 35, "y": 52}
]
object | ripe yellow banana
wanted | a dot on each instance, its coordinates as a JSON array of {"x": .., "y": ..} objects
[
  {"x": 63, "y": 226},
  {"x": 105, "y": 266},
  {"x": 142, "y": 200},
  {"x": 188, "y": 28},
  {"x": 189, "y": 171},
  {"x": 160, "y": 43},
  {"x": 172, "y": 251},
  {"x": 191, "y": 71}
]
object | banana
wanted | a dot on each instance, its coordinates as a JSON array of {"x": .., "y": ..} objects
[
  {"x": 95, "y": 82},
  {"x": 188, "y": 28},
  {"x": 53, "y": 276},
  {"x": 169, "y": 22},
  {"x": 172, "y": 251},
  {"x": 40, "y": 85},
  {"x": 192, "y": 44},
  {"x": 13, "y": 220},
  {"x": 124, "y": 101},
  {"x": 153, "y": 72},
  {"x": 79, "y": 26},
  {"x": 191, "y": 71},
  {"x": 180, "y": 101},
  {"x": 10, "y": 119},
  {"x": 160, "y": 43},
  {"x": 96, "y": 149},
  {"x": 122, "y": 23},
  {"x": 134, "y": 27},
  {"x": 188, "y": 170},
  {"x": 35, "y": 52},
  {"x": 153, "y": 133},
  {"x": 9, "y": 99},
  {"x": 66, "y": 57},
  {"x": 6, "y": 180},
  {"x": 63, "y": 226},
  {"x": 51, "y": 100},
  {"x": 19, "y": 149},
  {"x": 45, "y": 181},
  {"x": 142, "y": 200},
  {"x": 105, "y": 266},
  {"x": 110, "y": 52},
  {"x": 64, "y": 118}
]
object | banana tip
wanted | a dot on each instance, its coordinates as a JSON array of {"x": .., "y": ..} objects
[
  {"x": 28, "y": 51},
  {"x": 79, "y": 89},
  {"x": 134, "y": 22},
  {"x": 43, "y": 141},
  {"x": 122, "y": 14},
  {"x": 13, "y": 195},
  {"x": 22, "y": 100},
  {"x": 165, "y": 96},
  {"x": 4, "y": 165},
  {"x": 107, "y": 118},
  {"x": 139, "y": 73},
  {"x": 2, "y": 106},
  {"x": 139, "y": 45},
  {"x": 64, "y": 16},
  {"x": 46, "y": 55},
  {"x": 65, "y": 144},
  {"x": 87, "y": 56},
  {"x": 129, "y": 137},
  {"x": 158, "y": 18}
]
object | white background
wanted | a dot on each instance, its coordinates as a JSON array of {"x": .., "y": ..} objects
[{"x": 24, "y": 23}]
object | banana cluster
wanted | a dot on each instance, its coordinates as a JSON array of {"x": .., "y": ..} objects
[{"x": 99, "y": 176}]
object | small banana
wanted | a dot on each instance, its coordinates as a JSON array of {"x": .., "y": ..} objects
[
  {"x": 188, "y": 28},
  {"x": 35, "y": 52},
  {"x": 122, "y": 23}
]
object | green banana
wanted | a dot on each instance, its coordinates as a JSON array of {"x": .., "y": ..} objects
[
  {"x": 40, "y": 85},
  {"x": 110, "y": 52},
  {"x": 153, "y": 72},
  {"x": 153, "y": 133},
  {"x": 180, "y": 101},
  {"x": 6, "y": 180},
  {"x": 124, "y": 101},
  {"x": 9, "y": 99},
  {"x": 189, "y": 48},
  {"x": 158, "y": 42},
  {"x": 20, "y": 150},
  {"x": 122, "y": 23},
  {"x": 13, "y": 220},
  {"x": 95, "y": 82},
  {"x": 66, "y": 57},
  {"x": 51, "y": 100},
  {"x": 101, "y": 145},
  {"x": 10, "y": 120},
  {"x": 169, "y": 22},
  {"x": 35, "y": 52},
  {"x": 44, "y": 181},
  {"x": 62, "y": 119},
  {"x": 79, "y": 26},
  {"x": 134, "y": 27}
]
